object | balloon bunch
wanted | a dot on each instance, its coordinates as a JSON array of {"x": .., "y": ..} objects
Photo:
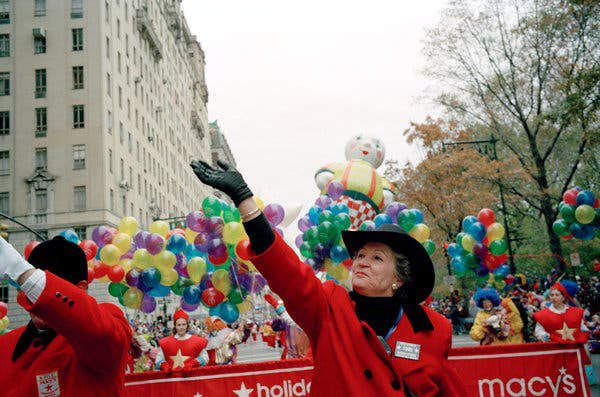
[
  {"x": 580, "y": 212},
  {"x": 481, "y": 248},
  {"x": 3, "y": 317},
  {"x": 320, "y": 242}
]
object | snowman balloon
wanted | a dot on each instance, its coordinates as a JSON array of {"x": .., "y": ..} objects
[{"x": 365, "y": 191}]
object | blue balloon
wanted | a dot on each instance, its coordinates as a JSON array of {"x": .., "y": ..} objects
[
  {"x": 454, "y": 250},
  {"x": 215, "y": 310},
  {"x": 587, "y": 232},
  {"x": 478, "y": 231},
  {"x": 192, "y": 294},
  {"x": 418, "y": 216},
  {"x": 458, "y": 265},
  {"x": 502, "y": 270},
  {"x": 382, "y": 219},
  {"x": 151, "y": 277},
  {"x": 338, "y": 253},
  {"x": 313, "y": 214},
  {"x": 229, "y": 312},
  {"x": 585, "y": 197},
  {"x": 160, "y": 291},
  {"x": 176, "y": 244},
  {"x": 70, "y": 235},
  {"x": 339, "y": 208},
  {"x": 576, "y": 230},
  {"x": 321, "y": 251},
  {"x": 191, "y": 251},
  {"x": 468, "y": 222},
  {"x": 482, "y": 271}
]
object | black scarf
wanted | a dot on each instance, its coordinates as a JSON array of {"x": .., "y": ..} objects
[
  {"x": 28, "y": 336},
  {"x": 381, "y": 312}
]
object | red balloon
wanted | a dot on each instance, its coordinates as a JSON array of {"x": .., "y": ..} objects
[
  {"x": 116, "y": 273},
  {"x": 446, "y": 246},
  {"x": 596, "y": 265},
  {"x": 218, "y": 260},
  {"x": 570, "y": 196},
  {"x": 212, "y": 297},
  {"x": 486, "y": 242},
  {"x": 89, "y": 248},
  {"x": 486, "y": 216},
  {"x": 100, "y": 269},
  {"x": 91, "y": 275},
  {"x": 509, "y": 279},
  {"x": 181, "y": 232},
  {"x": 596, "y": 203},
  {"x": 567, "y": 237},
  {"x": 243, "y": 250},
  {"x": 28, "y": 248},
  {"x": 3, "y": 309},
  {"x": 347, "y": 263}
]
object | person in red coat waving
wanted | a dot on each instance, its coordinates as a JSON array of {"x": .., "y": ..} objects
[
  {"x": 73, "y": 346},
  {"x": 377, "y": 340},
  {"x": 181, "y": 350}
]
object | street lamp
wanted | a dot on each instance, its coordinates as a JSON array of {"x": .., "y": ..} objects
[{"x": 487, "y": 147}]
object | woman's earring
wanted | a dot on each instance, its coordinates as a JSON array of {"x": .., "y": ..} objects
[{"x": 395, "y": 286}]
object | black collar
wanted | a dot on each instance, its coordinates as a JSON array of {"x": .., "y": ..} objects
[{"x": 28, "y": 336}]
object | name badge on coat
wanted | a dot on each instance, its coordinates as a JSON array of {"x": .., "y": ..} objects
[{"x": 410, "y": 351}]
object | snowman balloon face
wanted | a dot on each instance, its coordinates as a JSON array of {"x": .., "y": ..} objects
[{"x": 369, "y": 149}]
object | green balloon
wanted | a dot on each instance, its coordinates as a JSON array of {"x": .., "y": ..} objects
[
  {"x": 561, "y": 227},
  {"x": 235, "y": 296},
  {"x": 327, "y": 232},
  {"x": 342, "y": 221},
  {"x": 459, "y": 238},
  {"x": 568, "y": 213},
  {"x": 311, "y": 236},
  {"x": 117, "y": 289},
  {"x": 121, "y": 301},
  {"x": 326, "y": 216},
  {"x": 498, "y": 247},
  {"x": 306, "y": 250},
  {"x": 231, "y": 214},
  {"x": 472, "y": 261},
  {"x": 180, "y": 285},
  {"x": 429, "y": 247},
  {"x": 211, "y": 206},
  {"x": 585, "y": 214},
  {"x": 407, "y": 219}
]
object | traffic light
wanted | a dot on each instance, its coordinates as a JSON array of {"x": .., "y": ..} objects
[{"x": 4, "y": 231}]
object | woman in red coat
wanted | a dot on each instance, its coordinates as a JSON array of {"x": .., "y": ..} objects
[
  {"x": 181, "y": 350},
  {"x": 374, "y": 341}
]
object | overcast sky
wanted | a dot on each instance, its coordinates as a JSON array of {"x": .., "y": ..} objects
[{"x": 291, "y": 81}]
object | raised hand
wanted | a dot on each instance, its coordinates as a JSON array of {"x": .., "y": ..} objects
[{"x": 227, "y": 179}]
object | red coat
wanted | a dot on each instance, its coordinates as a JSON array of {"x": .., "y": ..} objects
[
  {"x": 570, "y": 321},
  {"x": 86, "y": 358},
  {"x": 348, "y": 357},
  {"x": 190, "y": 348}
]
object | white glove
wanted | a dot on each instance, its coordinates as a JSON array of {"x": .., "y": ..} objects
[{"x": 12, "y": 264}]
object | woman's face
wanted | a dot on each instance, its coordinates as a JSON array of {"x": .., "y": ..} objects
[
  {"x": 181, "y": 326},
  {"x": 556, "y": 297},
  {"x": 487, "y": 304},
  {"x": 373, "y": 270}
]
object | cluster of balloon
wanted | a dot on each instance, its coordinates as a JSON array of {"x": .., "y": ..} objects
[
  {"x": 580, "y": 213},
  {"x": 481, "y": 249},
  {"x": 320, "y": 242},
  {"x": 3, "y": 318}
]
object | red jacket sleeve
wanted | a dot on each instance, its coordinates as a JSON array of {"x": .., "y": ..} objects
[
  {"x": 295, "y": 283},
  {"x": 99, "y": 333}
]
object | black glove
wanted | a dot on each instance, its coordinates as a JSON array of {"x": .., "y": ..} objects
[{"x": 227, "y": 179}]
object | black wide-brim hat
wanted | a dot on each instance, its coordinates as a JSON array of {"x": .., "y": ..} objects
[
  {"x": 61, "y": 258},
  {"x": 422, "y": 271}
]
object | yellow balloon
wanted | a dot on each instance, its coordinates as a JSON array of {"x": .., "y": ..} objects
[
  {"x": 104, "y": 279},
  {"x": 190, "y": 235},
  {"x": 468, "y": 242},
  {"x": 233, "y": 233},
  {"x": 244, "y": 306},
  {"x": 329, "y": 265},
  {"x": 420, "y": 232},
  {"x": 196, "y": 268},
  {"x": 126, "y": 264},
  {"x": 495, "y": 231},
  {"x": 168, "y": 276},
  {"x": 91, "y": 263},
  {"x": 160, "y": 227},
  {"x": 220, "y": 279},
  {"x": 132, "y": 298},
  {"x": 122, "y": 241},
  {"x": 343, "y": 273},
  {"x": 142, "y": 259},
  {"x": 259, "y": 203},
  {"x": 128, "y": 225},
  {"x": 110, "y": 254},
  {"x": 4, "y": 321},
  {"x": 165, "y": 259}
]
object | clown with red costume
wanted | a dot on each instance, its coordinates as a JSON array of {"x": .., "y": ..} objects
[{"x": 181, "y": 350}]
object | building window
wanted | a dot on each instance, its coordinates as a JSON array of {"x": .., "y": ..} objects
[
  {"x": 112, "y": 200},
  {"x": 40, "y": 83},
  {"x": 120, "y": 98},
  {"x": 119, "y": 61},
  {"x": 121, "y": 133},
  {"x": 124, "y": 204},
  {"x": 4, "y": 293},
  {"x": 108, "y": 85},
  {"x": 5, "y": 122},
  {"x": 77, "y": 38},
  {"x": 122, "y": 169},
  {"x": 129, "y": 142},
  {"x": 39, "y": 45},
  {"x": 77, "y": 77},
  {"x": 4, "y": 83},
  {"x": 110, "y": 161},
  {"x": 79, "y": 198},
  {"x": 41, "y": 122},
  {"x": 118, "y": 28},
  {"x": 4, "y": 202},
  {"x": 4, "y": 11},
  {"x": 41, "y": 158},
  {"x": 109, "y": 122},
  {"x": 40, "y": 8},
  {"x": 78, "y": 157},
  {"x": 76, "y": 9},
  {"x": 4, "y": 162},
  {"x": 107, "y": 11},
  {"x": 78, "y": 116},
  {"x": 41, "y": 200},
  {"x": 107, "y": 48},
  {"x": 4, "y": 45}
]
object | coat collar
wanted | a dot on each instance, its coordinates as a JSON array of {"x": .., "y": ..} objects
[{"x": 28, "y": 336}]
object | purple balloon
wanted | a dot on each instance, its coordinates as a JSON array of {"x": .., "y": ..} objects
[
  {"x": 480, "y": 250},
  {"x": 182, "y": 271},
  {"x": 304, "y": 223},
  {"x": 394, "y": 209},
  {"x": 201, "y": 241},
  {"x": 187, "y": 307},
  {"x": 196, "y": 221},
  {"x": 127, "y": 255},
  {"x": 216, "y": 247},
  {"x": 299, "y": 240},
  {"x": 274, "y": 213},
  {"x": 97, "y": 235},
  {"x": 252, "y": 282},
  {"x": 323, "y": 201},
  {"x": 180, "y": 260},
  {"x": 280, "y": 231},
  {"x": 154, "y": 243},
  {"x": 133, "y": 278},
  {"x": 206, "y": 282},
  {"x": 148, "y": 304},
  {"x": 140, "y": 239},
  {"x": 215, "y": 225},
  {"x": 335, "y": 190}
]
